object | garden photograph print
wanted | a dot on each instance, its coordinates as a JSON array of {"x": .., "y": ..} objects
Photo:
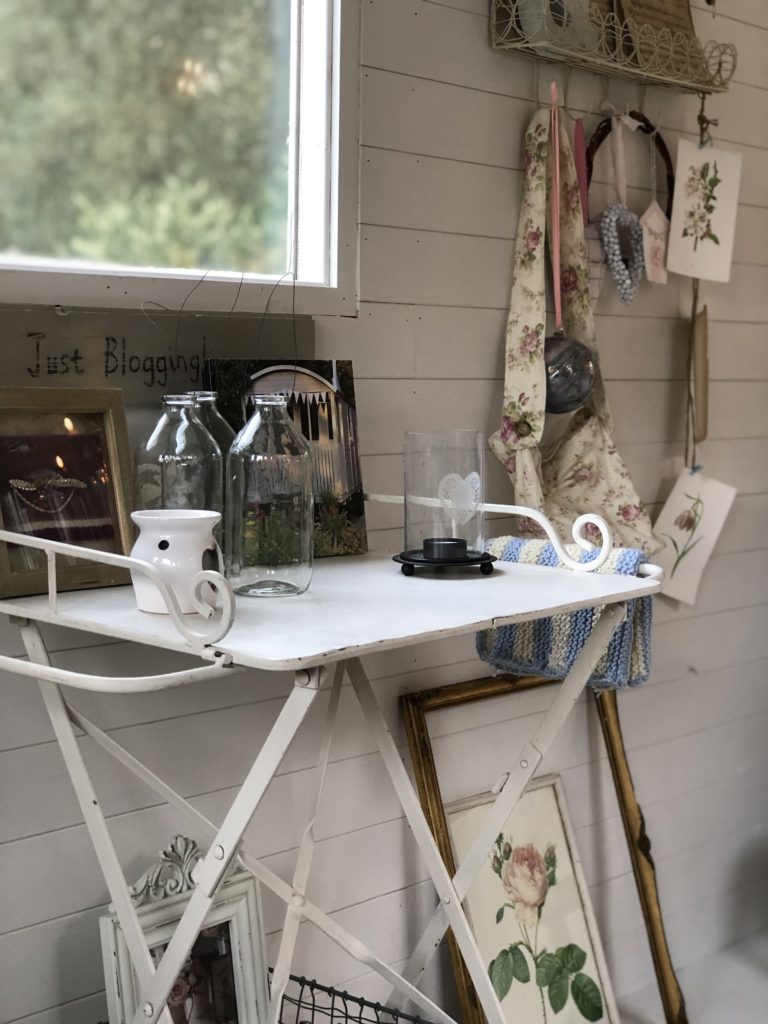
[
  {"x": 530, "y": 912},
  {"x": 322, "y": 406}
]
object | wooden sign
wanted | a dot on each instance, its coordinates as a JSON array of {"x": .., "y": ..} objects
[
  {"x": 701, "y": 376},
  {"x": 656, "y": 27},
  {"x": 124, "y": 349},
  {"x": 674, "y": 15}
]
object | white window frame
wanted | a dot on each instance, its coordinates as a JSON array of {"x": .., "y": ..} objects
[{"x": 42, "y": 283}]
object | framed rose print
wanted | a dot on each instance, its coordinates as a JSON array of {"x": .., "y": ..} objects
[{"x": 530, "y": 911}]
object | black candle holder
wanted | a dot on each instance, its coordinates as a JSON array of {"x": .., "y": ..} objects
[{"x": 444, "y": 552}]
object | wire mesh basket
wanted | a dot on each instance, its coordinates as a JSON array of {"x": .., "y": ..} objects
[{"x": 308, "y": 1002}]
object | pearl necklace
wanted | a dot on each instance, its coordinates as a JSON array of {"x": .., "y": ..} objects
[{"x": 627, "y": 273}]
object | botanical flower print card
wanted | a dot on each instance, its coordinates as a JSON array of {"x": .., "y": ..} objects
[
  {"x": 530, "y": 914},
  {"x": 704, "y": 212},
  {"x": 688, "y": 526}
]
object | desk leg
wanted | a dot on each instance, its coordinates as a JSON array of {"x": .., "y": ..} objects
[
  {"x": 326, "y": 924},
  {"x": 518, "y": 778},
  {"x": 409, "y": 801},
  {"x": 210, "y": 870},
  {"x": 293, "y": 913},
  {"x": 91, "y": 811}
]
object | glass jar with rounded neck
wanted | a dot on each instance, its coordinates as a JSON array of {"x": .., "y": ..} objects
[
  {"x": 180, "y": 465},
  {"x": 212, "y": 420},
  {"x": 269, "y": 504}
]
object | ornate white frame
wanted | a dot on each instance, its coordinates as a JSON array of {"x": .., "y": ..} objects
[{"x": 165, "y": 892}]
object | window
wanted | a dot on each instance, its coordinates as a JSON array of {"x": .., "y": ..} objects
[{"x": 150, "y": 146}]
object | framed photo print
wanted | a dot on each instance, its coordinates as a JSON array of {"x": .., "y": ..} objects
[
  {"x": 530, "y": 912},
  {"x": 64, "y": 476},
  {"x": 224, "y": 978},
  {"x": 529, "y": 908}
]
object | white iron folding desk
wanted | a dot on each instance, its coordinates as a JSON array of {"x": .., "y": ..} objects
[{"x": 355, "y": 606}]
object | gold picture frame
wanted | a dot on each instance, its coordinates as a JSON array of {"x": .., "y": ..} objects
[
  {"x": 64, "y": 475},
  {"x": 414, "y": 709}
]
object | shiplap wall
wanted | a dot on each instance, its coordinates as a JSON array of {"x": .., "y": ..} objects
[{"x": 442, "y": 118}]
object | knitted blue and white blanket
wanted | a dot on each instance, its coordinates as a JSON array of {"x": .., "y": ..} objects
[{"x": 548, "y": 647}]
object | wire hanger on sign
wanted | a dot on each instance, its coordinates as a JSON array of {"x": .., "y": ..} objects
[{"x": 705, "y": 123}]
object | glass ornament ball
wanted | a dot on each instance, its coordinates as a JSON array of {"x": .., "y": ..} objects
[{"x": 571, "y": 372}]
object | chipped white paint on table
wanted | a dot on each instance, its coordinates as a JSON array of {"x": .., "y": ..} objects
[{"x": 355, "y": 606}]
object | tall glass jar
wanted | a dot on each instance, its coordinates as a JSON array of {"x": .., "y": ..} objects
[
  {"x": 212, "y": 420},
  {"x": 269, "y": 504},
  {"x": 180, "y": 466}
]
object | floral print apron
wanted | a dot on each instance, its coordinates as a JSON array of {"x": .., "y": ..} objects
[{"x": 580, "y": 469}]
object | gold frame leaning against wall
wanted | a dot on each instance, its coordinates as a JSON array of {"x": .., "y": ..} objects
[{"x": 414, "y": 709}]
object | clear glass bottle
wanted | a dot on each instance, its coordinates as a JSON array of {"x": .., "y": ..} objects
[
  {"x": 213, "y": 421},
  {"x": 181, "y": 465},
  {"x": 269, "y": 504}
]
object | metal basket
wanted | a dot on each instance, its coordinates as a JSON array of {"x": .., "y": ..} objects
[{"x": 308, "y": 1002}]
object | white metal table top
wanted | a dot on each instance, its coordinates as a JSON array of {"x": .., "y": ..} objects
[{"x": 355, "y": 606}]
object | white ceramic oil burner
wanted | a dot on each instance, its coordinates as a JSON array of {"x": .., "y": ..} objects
[{"x": 179, "y": 543}]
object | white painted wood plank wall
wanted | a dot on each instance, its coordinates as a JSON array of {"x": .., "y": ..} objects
[{"x": 442, "y": 120}]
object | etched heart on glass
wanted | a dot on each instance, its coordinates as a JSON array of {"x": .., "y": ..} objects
[{"x": 460, "y": 496}]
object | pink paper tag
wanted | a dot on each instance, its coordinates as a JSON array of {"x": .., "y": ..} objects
[{"x": 655, "y": 224}]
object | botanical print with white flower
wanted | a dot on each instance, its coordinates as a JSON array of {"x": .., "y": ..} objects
[
  {"x": 704, "y": 212},
  {"x": 701, "y": 192}
]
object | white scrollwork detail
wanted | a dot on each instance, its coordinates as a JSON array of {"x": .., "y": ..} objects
[{"x": 169, "y": 876}]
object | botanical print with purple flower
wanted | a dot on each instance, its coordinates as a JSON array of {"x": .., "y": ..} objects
[{"x": 688, "y": 521}]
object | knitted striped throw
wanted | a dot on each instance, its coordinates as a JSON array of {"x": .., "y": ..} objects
[{"x": 548, "y": 647}]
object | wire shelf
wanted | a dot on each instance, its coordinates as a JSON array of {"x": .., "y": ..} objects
[
  {"x": 582, "y": 35},
  {"x": 308, "y": 1002}
]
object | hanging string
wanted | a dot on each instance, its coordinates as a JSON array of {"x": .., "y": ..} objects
[
  {"x": 691, "y": 461},
  {"x": 652, "y": 149},
  {"x": 554, "y": 130},
  {"x": 690, "y": 416},
  {"x": 705, "y": 123}
]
